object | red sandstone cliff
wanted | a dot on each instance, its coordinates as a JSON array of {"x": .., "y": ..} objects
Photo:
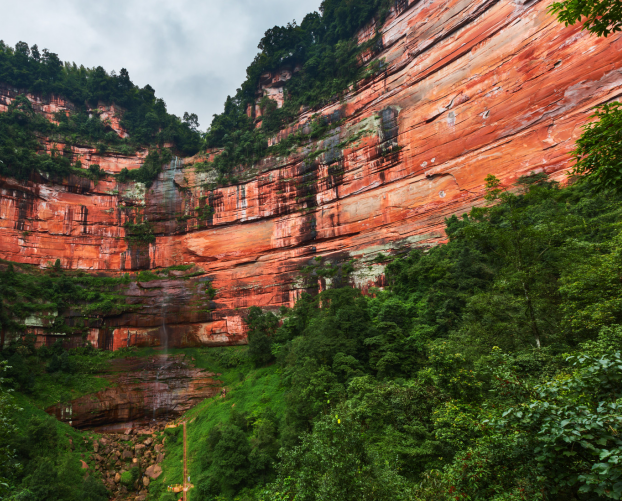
[{"x": 468, "y": 88}]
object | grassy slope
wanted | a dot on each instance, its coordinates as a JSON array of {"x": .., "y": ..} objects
[
  {"x": 50, "y": 389},
  {"x": 248, "y": 390},
  {"x": 80, "y": 450}
]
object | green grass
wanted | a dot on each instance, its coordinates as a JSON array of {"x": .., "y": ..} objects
[
  {"x": 249, "y": 391},
  {"x": 49, "y": 389},
  {"x": 29, "y": 409},
  {"x": 59, "y": 387}
]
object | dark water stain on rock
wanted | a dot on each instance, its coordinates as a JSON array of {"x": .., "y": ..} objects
[{"x": 146, "y": 389}]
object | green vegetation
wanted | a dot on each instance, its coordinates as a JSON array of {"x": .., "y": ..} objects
[
  {"x": 336, "y": 274},
  {"x": 144, "y": 116},
  {"x": 22, "y": 131},
  {"x": 475, "y": 373},
  {"x": 129, "y": 477},
  {"x": 261, "y": 330},
  {"x": 48, "y": 294},
  {"x": 599, "y": 149},
  {"x": 8, "y": 410},
  {"x": 490, "y": 368},
  {"x": 40, "y": 457},
  {"x": 139, "y": 232},
  {"x": 324, "y": 58},
  {"x": 601, "y": 17},
  {"x": 46, "y": 467},
  {"x": 204, "y": 212},
  {"x": 232, "y": 439},
  {"x": 149, "y": 170},
  {"x": 82, "y": 128},
  {"x": 71, "y": 302},
  {"x": 48, "y": 375},
  {"x": 21, "y": 152}
]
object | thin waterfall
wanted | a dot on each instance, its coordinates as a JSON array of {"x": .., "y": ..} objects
[
  {"x": 162, "y": 359},
  {"x": 170, "y": 208}
]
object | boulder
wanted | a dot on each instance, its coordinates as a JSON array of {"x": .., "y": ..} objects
[
  {"x": 84, "y": 465},
  {"x": 148, "y": 442},
  {"x": 160, "y": 458},
  {"x": 153, "y": 471},
  {"x": 146, "y": 481},
  {"x": 127, "y": 455}
]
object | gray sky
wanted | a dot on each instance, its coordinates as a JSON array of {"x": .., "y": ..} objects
[{"x": 192, "y": 52}]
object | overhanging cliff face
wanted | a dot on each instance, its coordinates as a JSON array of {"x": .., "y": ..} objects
[{"x": 467, "y": 88}]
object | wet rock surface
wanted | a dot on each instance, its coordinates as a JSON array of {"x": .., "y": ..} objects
[{"x": 143, "y": 390}]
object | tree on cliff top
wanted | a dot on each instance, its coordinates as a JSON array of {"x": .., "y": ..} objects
[
  {"x": 323, "y": 56},
  {"x": 601, "y": 17},
  {"x": 145, "y": 117}
]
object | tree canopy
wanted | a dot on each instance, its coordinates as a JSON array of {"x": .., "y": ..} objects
[
  {"x": 601, "y": 17},
  {"x": 145, "y": 116}
]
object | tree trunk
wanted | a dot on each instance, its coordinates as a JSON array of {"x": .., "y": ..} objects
[{"x": 532, "y": 317}]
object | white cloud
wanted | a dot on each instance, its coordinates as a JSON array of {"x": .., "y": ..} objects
[{"x": 193, "y": 53}]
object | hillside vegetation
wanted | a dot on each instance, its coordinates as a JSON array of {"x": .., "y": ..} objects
[
  {"x": 141, "y": 114},
  {"x": 490, "y": 367}
]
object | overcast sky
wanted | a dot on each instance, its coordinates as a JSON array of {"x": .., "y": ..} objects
[{"x": 192, "y": 52}]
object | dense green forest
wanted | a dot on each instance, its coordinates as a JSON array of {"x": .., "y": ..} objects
[
  {"x": 145, "y": 116},
  {"x": 21, "y": 130},
  {"x": 489, "y": 368}
]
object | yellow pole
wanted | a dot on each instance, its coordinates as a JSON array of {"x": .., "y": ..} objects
[{"x": 185, "y": 466}]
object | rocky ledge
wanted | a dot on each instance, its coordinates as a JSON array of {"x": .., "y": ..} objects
[{"x": 143, "y": 391}]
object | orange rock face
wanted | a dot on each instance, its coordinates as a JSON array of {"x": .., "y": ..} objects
[{"x": 467, "y": 88}]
